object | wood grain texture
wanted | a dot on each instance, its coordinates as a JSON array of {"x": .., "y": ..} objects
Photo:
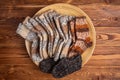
[
  {"x": 107, "y": 15},
  {"x": 105, "y": 62}
]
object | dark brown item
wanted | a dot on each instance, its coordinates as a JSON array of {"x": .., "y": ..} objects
[
  {"x": 47, "y": 65},
  {"x": 67, "y": 66}
]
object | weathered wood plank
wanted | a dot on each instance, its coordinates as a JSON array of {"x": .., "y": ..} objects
[
  {"x": 15, "y": 60},
  {"x": 109, "y": 50},
  {"x": 21, "y": 51},
  {"x": 91, "y": 73},
  {"x": 101, "y": 15},
  {"x": 96, "y": 60},
  {"x": 47, "y": 2}
]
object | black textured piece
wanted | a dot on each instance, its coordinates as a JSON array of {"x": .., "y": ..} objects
[
  {"x": 67, "y": 66},
  {"x": 47, "y": 65}
]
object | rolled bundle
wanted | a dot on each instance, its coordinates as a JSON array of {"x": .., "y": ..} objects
[
  {"x": 57, "y": 41},
  {"x": 71, "y": 60}
]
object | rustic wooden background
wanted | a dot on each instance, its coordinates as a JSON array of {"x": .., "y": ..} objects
[{"x": 105, "y": 62}]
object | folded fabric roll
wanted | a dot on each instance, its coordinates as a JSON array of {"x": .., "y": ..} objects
[{"x": 57, "y": 41}]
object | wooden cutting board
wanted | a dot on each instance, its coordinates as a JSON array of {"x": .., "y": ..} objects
[{"x": 67, "y": 9}]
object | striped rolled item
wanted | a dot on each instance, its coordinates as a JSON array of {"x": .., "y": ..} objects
[{"x": 57, "y": 41}]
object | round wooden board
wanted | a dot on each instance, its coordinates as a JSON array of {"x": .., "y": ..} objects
[{"x": 67, "y": 9}]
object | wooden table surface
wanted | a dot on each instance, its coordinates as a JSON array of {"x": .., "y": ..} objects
[{"x": 15, "y": 63}]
